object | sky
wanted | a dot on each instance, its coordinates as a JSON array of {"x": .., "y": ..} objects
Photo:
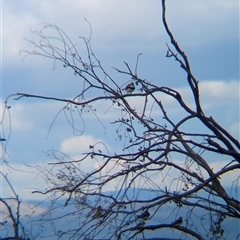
[{"x": 208, "y": 32}]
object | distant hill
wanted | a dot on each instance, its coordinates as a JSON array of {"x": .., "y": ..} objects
[{"x": 232, "y": 226}]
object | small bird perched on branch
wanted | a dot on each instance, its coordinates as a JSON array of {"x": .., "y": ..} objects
[
  {"x": 98, "y": 213},
  {"x": 178, "y": 222},
  {"x": 140, "y": 225},
  {"x": 130, "y": 87},
  {"x": 145, "y": 215}
]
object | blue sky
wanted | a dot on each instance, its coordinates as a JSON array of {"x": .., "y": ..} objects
[{"x": 208, "y": 32}]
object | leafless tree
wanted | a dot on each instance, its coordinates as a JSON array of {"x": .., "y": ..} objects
[
  {"x": 11, "y": 226},
  {"x": 162, "y": 180}
]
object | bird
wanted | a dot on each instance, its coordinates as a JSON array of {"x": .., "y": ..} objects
[
  {"x": 140, "y": 225},
  {"x": 178, "y": 222},
  {"x": 145, "y": 215},
  {"x": 130, "y": 87},
  {"x": 98, "y": 213}
]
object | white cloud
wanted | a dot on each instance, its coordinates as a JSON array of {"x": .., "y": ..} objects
[
  {"x": 216, "y": 97},
  {"x": 70, "y": 17},
  {"x": 80, "y": 144},
  {"x": 15, "y": 27},
  {"x": 76, "y": 147},
  {"x": 203, "y": 21},
  {"x": 126, "y": 24},
  {"x": 214, "y": 94},
  {"x": 29, "y": 115},
  {"x": 23, "y": 179},
  {"x": 227, "y": 179},
  {"x": 220, "y": 90},
  {"x": 122, "y": 26},
  {"x": 214, "y": 90},
  {"x": 20, "y": 121}
]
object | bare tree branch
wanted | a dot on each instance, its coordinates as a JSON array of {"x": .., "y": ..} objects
[{"x": 164, "y": 167}]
